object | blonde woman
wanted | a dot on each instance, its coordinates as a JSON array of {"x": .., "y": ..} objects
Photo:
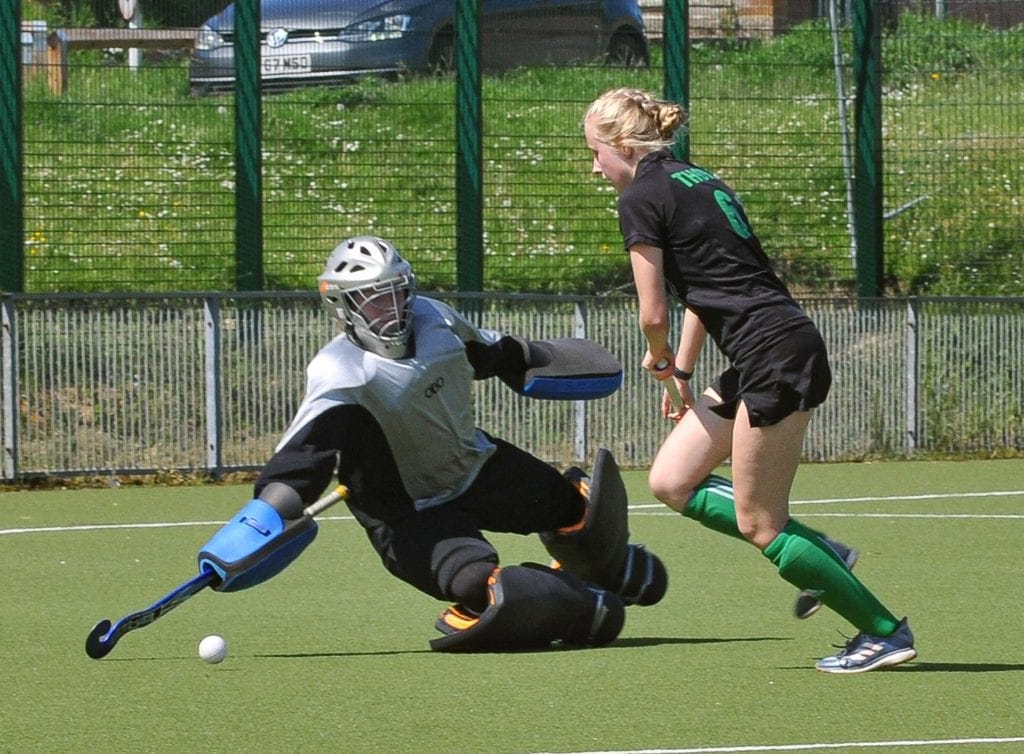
[{"x": 689, "y": 238}]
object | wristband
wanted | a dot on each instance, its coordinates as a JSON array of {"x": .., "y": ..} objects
[{"x": 679, "y": 374}]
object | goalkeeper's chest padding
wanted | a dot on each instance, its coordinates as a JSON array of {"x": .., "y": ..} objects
[
  {"x": 255, "y": 545},
  {"x": 422, "y": 403}
]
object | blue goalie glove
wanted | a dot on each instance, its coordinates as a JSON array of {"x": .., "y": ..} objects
[{"x": 259, "y": 542}]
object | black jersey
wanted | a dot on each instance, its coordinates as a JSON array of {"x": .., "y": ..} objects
[{"x": 713, "y": 261}]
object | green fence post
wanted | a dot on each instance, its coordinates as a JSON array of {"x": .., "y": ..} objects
[
  {"x": 867, "y": 187},
  {"x": 12, "y": 229},
  {"x": 469, "y": 201},
  {"x": 248, "y": 146},
  {"x": 676, "y": 20}
]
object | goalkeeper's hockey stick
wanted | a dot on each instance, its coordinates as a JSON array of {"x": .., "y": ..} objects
[{"x": 104, "y": 635}]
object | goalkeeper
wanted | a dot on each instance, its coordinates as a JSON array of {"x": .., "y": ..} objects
[{"x": 388, "y": 409}]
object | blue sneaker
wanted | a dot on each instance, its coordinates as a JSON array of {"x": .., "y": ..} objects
[
  {"x": 807, "y": 603},
  {"x": 865, "y": 652}
]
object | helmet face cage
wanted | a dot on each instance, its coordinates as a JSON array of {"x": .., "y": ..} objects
[
  {"x": 381, "y": 315},
  {"x": 370, "y": 288}
]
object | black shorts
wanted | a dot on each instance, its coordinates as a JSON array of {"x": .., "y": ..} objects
[{"x": 792, "y": 374}]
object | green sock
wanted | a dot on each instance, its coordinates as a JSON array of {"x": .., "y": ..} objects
[
  {"x": 712, "y": 506},
  {"x": 806, "y": 562},
  {"x": 802, "y": 557}
]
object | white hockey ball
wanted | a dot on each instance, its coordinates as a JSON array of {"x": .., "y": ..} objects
[{"x": 213, "y": 648}]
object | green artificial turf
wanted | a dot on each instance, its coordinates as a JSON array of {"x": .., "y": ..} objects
[{"x": 332, "y": 655}]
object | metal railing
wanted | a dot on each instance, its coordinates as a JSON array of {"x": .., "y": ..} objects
[{"x": 207, "y": 383}]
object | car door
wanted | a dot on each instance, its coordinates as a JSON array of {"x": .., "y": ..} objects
[
  {"x": 575, "y": 30},
  {"x": 537, "y": 32}
]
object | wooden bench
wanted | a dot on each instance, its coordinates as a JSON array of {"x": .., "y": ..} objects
[{"x": 62, "y": 41}]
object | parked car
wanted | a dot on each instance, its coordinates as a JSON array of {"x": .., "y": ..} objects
[{"x": 319, "y": 41}]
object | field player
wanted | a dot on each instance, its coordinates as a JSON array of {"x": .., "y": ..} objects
[
  {"x": 687, "y": 236},
  {"x": 388, "y": 409}
]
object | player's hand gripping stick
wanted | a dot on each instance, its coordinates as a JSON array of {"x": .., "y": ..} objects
[
  {"x": 104, "y": 636},
  {"x": 670, "y": 385}
]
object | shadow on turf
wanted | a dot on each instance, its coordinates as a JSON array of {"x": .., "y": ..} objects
[
  {"x": 959, "y": 667},
  {"x": 656, "y": 640},
  {"x": 619, "y": 644},
  {"x": 946, "y": 667}
]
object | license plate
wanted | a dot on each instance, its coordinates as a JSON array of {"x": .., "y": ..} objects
[{"x": 284, "y": 65}]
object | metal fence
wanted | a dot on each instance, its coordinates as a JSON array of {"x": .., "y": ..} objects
[
  {"x": 130, "y": 183},
  {"x": 112, "y": 384}
]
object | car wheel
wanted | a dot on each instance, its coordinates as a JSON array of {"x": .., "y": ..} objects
[
  {"x": 627, "y": 50},
  {"x": 442, "y": 52}
]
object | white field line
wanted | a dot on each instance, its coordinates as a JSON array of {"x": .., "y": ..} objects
[
  {"x": 891, "y": 498},
  {"x": 155, "y": 525},
  {"x": 643, "y": 509},
  {"x": 810, "y": 747},
  {"x": 661, "y": 510},
  {"x": 658, "y": 508},
  {"x": 886, "y": 498}
]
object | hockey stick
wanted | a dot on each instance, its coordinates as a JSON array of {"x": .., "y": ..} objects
[
  {"x": 104, "y": 636},
  {"x": 673, "y": 389},
  {"x": 336, "y": 495}
]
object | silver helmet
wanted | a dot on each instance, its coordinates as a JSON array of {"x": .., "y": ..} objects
[{"x": 369, "y": 287}]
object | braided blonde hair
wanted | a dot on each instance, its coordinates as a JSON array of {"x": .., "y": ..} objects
[{"x": 629, "y": 118}]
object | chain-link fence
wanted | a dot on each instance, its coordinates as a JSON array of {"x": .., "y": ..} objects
[{"x": 131, "y": 172}]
